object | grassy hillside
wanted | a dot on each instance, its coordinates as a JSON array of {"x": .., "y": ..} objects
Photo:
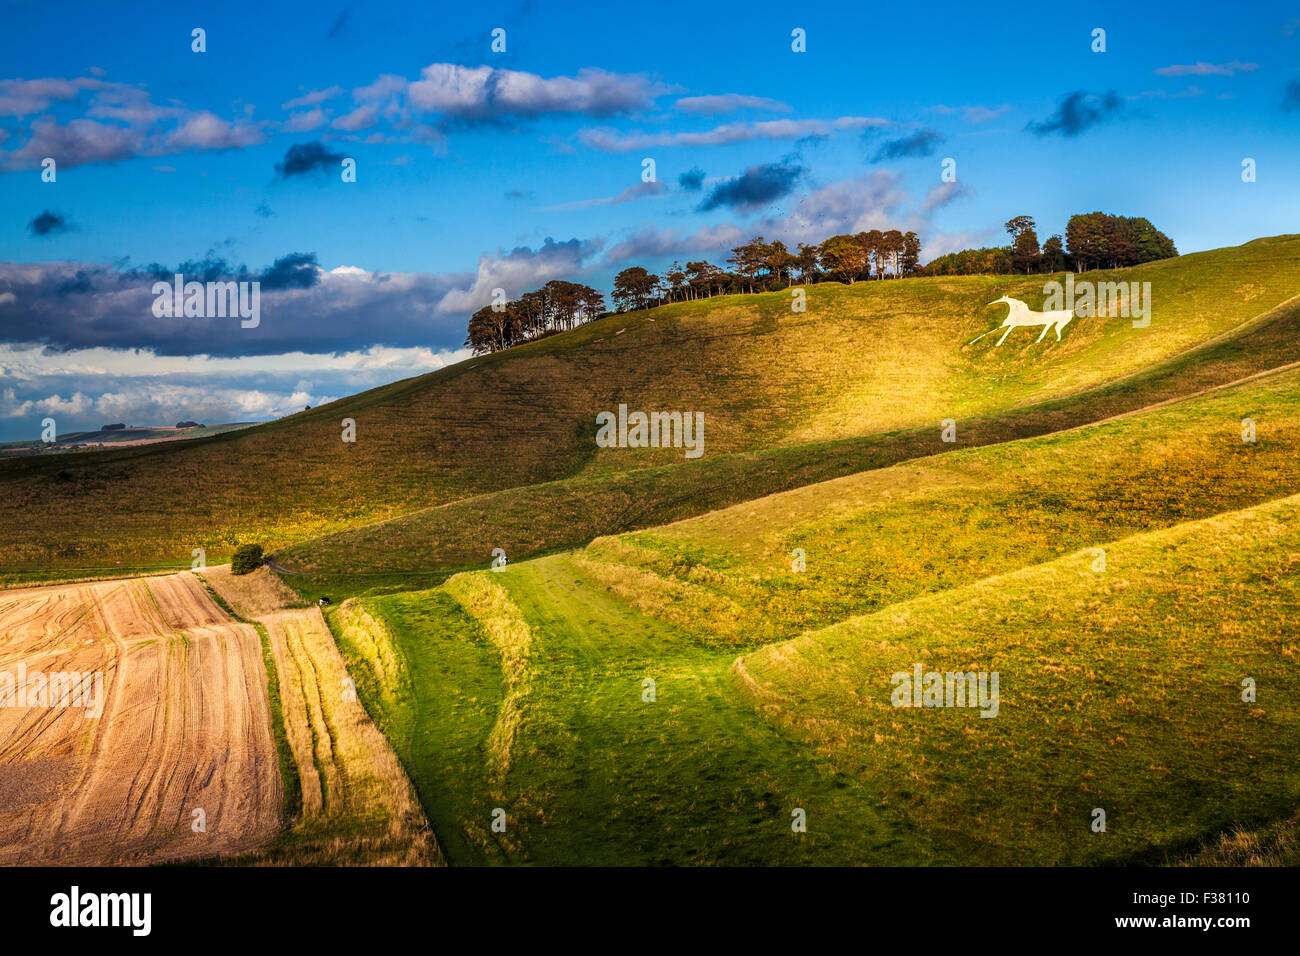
[
  {"x": 878, "y": 537},
  {"x": 1120, "y": 691},
  {"x": 661, "y": 684},
  {"x": 863, "y": 360},
  {"x": 568, "y": 513},
  {"x": 524, "y": 690},
  {"x": 591, "y": 774}
]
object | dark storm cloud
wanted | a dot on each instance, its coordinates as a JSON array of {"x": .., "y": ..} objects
[
  {"x": 1077, "y": 112},
  {"x": 920, "y": 143},
  {"x": 78, "y": 284},
  {"x": 69, "y": 305},
  {"x": 49, "y": 223},
  {"x": 297, "y": 270},
  {"x": 305, "y": 158},
  {"x": 692, "y": 180},
  {"x": 755, "y": 187}
]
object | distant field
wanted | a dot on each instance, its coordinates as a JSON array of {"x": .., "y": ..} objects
[
  {"x": 117, "y": 438},
  {"x": 354, "y": 804}
]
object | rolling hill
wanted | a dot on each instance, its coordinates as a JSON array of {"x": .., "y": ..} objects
[
  {"x": 684, "y": 655},
  {"x": 524, "y": 689},
  {"x": 859, "y": 380}
]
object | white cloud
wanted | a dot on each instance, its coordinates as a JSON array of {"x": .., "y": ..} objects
[
  {"x": 518, "y": 271},
  {"x": 84, "y": 388},
  {"x": 853, "y": 205},
  {"x": 484, "y": 92},
  {"x": 1200, "y": 68},
  {"x": 313, "y": 98},
  {"x": 386, "y": 87},
  {"x": 28, "y": 363},
  {"x": 642, "y": 190},
  {"x": 652, "y": 242},
  {"x": 26, "y": 97},
  {"x": 206, "y": 130},
  {"x": 76, "y": 143},
  {"x": 972, "y": 114},
  {"x": 945, "y": 242},
  {"x": 729, "y": 103},
  {"x": 119, "y": 123},
  {"x": 363, "y": 117},
  {"x": 1188, "y": 93},
  {"x": 130, "y": 105},
  {"x": 306, "y": 121},
  {"x": 614, "y": 141},
  {"x": 941, "y": 195}
]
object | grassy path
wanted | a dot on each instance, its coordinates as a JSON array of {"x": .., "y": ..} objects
[{"x": 600, "y": 776}]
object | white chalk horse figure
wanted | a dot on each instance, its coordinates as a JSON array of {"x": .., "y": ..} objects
[{"x": 1021, "y": 314}]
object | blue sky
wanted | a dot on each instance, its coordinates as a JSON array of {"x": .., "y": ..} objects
[{"x": 478, "y": 169}]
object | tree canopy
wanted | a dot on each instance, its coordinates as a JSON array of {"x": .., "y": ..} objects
[{"x": 1094, "y": 240}]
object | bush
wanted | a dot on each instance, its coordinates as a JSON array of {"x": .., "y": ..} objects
[{"x": 248, "y": 558}]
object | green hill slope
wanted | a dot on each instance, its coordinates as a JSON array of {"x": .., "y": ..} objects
[
  {"x": 1121, "y": 691},
  {"x": 994, "y": 545},
  {"x": 862, "y": 360},
  {"x": 882, "y": 536},
  {"x": 537, "y": 519}
]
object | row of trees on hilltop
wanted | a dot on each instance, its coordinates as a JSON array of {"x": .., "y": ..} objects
[
  {"x": 756, "y": 266},
  {"x": 1092, "y": 240},
  {"x": 556, "y": 307},
  {"x": 762, "y": 266}
]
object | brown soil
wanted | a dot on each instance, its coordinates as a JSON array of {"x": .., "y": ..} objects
[{"x": 185, "y": 726}]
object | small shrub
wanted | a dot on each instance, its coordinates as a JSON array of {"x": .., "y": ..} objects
[
  {"x": 680, "y": 564},
  {"x": 248, "y": 558}
]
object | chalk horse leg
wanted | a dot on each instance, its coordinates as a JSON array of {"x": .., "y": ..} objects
[
  {"x": 1005, "y": 334},
  {"x": 1046, "y": 326}
]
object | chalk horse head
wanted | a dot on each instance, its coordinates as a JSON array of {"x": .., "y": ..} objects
[{"x": 1019, "y": 314}]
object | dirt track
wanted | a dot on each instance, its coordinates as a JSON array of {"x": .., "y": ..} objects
[
  {"x": 185, "y": 725},
  {"x": 358, "y": 806}
]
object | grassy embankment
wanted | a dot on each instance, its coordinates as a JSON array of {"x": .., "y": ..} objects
[{"x": 1120, "y": 688}]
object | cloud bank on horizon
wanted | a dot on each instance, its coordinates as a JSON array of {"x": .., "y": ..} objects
[{"x": 487, "y": 161}]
